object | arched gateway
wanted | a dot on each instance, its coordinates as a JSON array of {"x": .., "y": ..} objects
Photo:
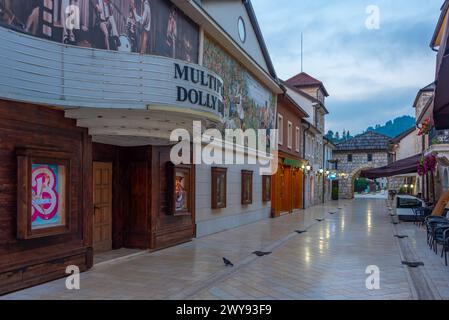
[{"x": 365, "y": 151}]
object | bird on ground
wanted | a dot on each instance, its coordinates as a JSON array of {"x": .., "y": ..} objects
[{"x": 227, "y": 262}]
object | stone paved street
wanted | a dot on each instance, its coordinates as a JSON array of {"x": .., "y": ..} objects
[{"x": 326, "y": 262}]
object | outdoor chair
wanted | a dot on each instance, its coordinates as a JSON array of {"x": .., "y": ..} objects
[
  {"x": 431, "y": 222},
  {"x": 445, "y": 245},
  {"x": 421, "y": 214},
  {"x": 438, "y": 235}
]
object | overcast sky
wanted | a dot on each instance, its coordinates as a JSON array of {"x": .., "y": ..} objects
[{"x": 372, "y": 75}]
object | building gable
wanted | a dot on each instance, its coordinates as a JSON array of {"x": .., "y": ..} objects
[{"x": 227, "y": 14}]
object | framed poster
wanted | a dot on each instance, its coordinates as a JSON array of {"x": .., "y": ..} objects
[
  {"x": 266, "y": 188},
  {"x": 219, "y": 182},
  {"x": 43, "y": 193},
  {"x": 247, "y": 187},
  {"x": 179, "y": 189}
]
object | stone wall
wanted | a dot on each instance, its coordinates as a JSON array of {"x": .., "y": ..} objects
[
  {"x": 352, "y": 169},
  {"x": 318, "y": 161}
]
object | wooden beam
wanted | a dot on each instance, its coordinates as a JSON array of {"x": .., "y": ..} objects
[{"x": 441, "y": 205}]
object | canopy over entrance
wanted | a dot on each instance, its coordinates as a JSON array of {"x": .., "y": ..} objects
[
  {"x": 404, "y": 166},
  {"x": 441, "y": 104}
]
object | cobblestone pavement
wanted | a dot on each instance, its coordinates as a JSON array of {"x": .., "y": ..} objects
[{"x": 326, "y": 262}]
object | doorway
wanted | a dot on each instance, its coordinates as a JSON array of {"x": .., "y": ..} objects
[
  {"x": 102, "y": 201},
  {"x": 286, "y": 190}
]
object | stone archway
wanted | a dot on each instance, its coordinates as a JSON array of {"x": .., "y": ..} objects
[{"x": 346, "y": 185}]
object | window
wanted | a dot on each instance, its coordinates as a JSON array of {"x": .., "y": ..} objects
[
  {"x": 289, "y": 135},
  {"x": 242, "y": 29},
  {"x": 280, "y": 129},
  {"x": 312, "y": 148},
  {"x": 349, "y": 157},
  {"x": 43, "y": 198},
  {"x": 370, "y": 157},
  {"x": 219, "y": 188},
  {"x": 266, "y": 188},
  {"x": 247, "y": 187},
  {"x": 298, "y": 139}
]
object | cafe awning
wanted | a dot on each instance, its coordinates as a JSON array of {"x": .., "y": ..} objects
[
  {"x": 441, "y": 103},
  {"x": 404, "y": 166}
]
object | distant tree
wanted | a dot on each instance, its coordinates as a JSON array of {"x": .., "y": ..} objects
[
  {"x": 330, "y": 135},
  {"x": 343, "y": 136},
  {"x": 348, "y": 135},
  {"x": 337, "y": 136}
]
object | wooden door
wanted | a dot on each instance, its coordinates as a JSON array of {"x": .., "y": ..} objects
[
  {"x": 102, "y": 187},
  {"x": 286, "y": 205},
  {"x": 297, "y": 189}
]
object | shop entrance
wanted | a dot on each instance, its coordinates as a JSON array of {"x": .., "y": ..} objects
[
  {"x": 102, "y": 201},
  {"x": 286, "y": 190}
]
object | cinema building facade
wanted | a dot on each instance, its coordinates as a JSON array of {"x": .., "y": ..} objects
[{"x": 90, "y": 92}]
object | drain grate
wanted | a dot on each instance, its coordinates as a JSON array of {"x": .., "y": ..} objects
[
  {"x": 413, "y": 264},
  {"x": 300, "y": 231},
  {"x": 261, "y": 253},
  {"x": 401, "y": 236}
]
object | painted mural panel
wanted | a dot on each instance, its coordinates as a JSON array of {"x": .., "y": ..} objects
[
  {"x": 247, "y": 103},
  {"x": 142, "y": 26},
  {"x": 47, "y": 195}
]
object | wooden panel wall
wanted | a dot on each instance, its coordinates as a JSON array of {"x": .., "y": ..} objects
[
  {"x": 167, "y": 230},
  {"x": 27, "y": 262},
  {"x": 140, "y": 218}
]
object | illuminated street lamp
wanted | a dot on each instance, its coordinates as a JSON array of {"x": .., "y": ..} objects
[{"x": 308, "y": 168}]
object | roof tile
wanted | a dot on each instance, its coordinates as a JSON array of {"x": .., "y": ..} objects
[{"x": 367, "y": 141}]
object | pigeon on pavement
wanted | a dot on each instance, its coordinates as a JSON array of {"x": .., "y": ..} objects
[{"x": 227, "y": 262}]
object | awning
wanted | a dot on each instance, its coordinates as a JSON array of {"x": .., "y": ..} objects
[
  {"x": 404, "y": 166},
  {"x": 292, "y": 163},
  {"x": 441, "y": 104}
]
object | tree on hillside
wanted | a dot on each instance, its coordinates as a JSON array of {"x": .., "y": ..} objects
[{"x": 337, "y": 136}]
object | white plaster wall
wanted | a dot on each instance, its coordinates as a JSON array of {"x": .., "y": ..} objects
[
  {"x": 407, "y": 147},
  {"x": 209, "y": 221},
  {"x": 226, "y": 13},
  {"x": 304, "y": 103}
]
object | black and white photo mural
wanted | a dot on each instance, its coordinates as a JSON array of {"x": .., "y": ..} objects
[{"x": 155, "y": 27}]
